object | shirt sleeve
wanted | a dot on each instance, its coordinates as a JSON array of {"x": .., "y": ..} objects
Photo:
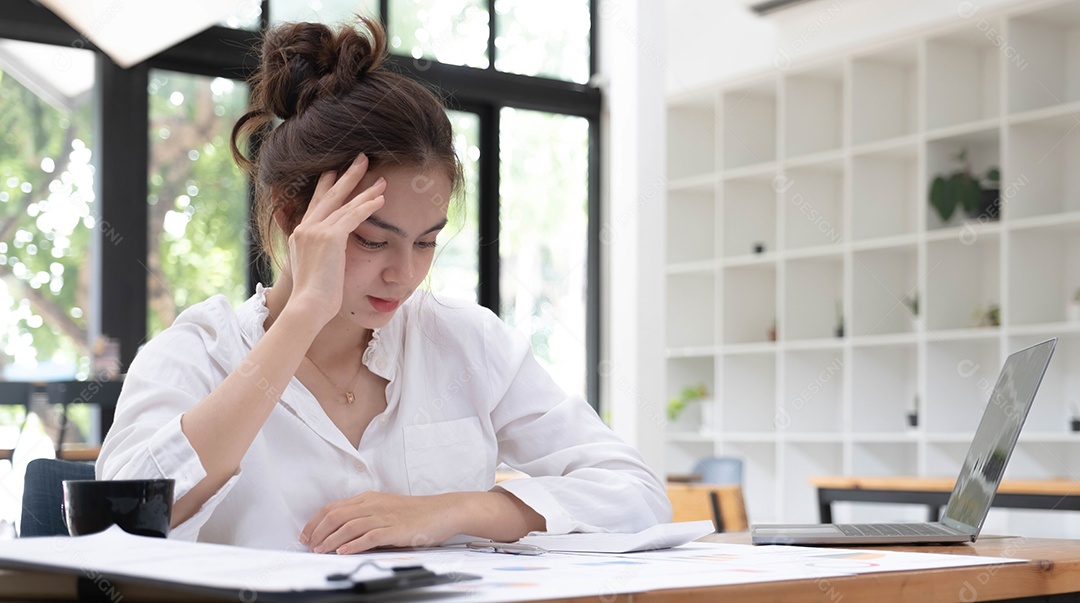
[
  {"x": 584, "y": 477},
  {"x": 169, "y": 376}
]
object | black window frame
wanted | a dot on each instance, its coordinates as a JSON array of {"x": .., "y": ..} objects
[{"x": 224, "y": 52}]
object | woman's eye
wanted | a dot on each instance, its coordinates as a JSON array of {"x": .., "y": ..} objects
[
  {"x": 426, "y": 244},
  {"x": 369, "y": 244}
]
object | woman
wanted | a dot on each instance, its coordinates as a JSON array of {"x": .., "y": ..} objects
[{"x": 338, "y": 410}]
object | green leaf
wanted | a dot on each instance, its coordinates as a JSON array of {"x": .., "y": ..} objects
[
  {"x": 968, "y": 192},
  {"x": 942, "y": 199}
]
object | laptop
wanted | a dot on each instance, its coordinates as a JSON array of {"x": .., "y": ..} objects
[{"x": 975, "y": 486}]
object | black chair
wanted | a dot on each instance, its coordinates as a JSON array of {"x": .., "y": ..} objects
[{"x": 43, "y": 495}]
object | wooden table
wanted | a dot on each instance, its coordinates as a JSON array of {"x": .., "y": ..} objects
[
  {"x": 1060, "y": 495},
  {"x": 1051, "y": 575}
]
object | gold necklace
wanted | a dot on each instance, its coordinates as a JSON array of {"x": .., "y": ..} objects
[{"x": 350, "y": 396}]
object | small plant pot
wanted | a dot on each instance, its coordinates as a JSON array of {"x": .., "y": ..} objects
[
  {"x": 913, "y": 419},
  {"x": 1075, "y": 423},
  {"x": 840, "y": 332},
  {"x": 989, "y": 206}
]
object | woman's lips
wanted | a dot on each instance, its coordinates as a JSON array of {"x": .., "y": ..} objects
[{"x": 383, "y": 305}]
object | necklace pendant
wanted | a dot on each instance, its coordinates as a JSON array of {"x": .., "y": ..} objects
[{"x": 349, "y": 398}]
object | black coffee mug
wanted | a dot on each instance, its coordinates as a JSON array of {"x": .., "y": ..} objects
[{"x": 139, "y": 506}]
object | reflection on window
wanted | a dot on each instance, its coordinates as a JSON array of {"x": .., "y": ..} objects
[
  {"x": 245, "y": 15},
  {"x": 331, "y": 12},
  {"x": 543, "y": 240},
  {"x": 198, "y": 212},
  {"x": 48, "y": 213},
  {"x": 449, "y": 31},
  {"x": 549, "y": 38},
  {"x": 455, "y": 272}
]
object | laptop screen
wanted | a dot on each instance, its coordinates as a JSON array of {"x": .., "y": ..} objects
[{"x": 996, "y": 436}]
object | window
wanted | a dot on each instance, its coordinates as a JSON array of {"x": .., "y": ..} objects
[
  {"x": 48, "y": 213},
  {"x": 197, "y": 197}
]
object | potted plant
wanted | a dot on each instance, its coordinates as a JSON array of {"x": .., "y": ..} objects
[
  {"x": 978, "y": 195},
  {"x": 677, "y": 405},
  {"x": 988, "y": 317},
  {"x": 839, "y": 319},
  {"x": 912, "y": 303},
  {"x": 1072, "y": 310},
  {"x": 913, "y": 414}
]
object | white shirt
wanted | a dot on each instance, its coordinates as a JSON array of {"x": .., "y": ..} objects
[{"x": 464, "y": 394}]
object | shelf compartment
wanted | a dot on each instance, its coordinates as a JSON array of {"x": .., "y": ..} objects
[
  {"x": 749, "y": 125},
  {"x": 812, "y": 290},
  {"x": 691, "y": 318},
  {"x": 962, "y": 276},
  {"x": 1042, "y": 52},
  {"x": 682, "y": 373},
  {"x": 983, "y": 152},
  {"x": 963, "y": 75},
  {"x": 749, "y": 303},
  {"x": 749, "y": 393},
  {"x": 760, "y": 484},
  {"x": 691, "y": 138},
  {"x": 885, "y": 193},
  {"x": 680, "y": 456},
  {"x": 1058, "y": 398},
  {"x": 885, "y": 97},
  {"x": 813, "y": 392},
  {"x": 959, "y": 378},
  {"x": 1043, "y": 295},
  {"x": 813, "y": 205},
  {"x": 884, "y": 282},
  {"x": 884, "y": 382},
  {"x": 1041, "y": 177},
  {"x": 691, "y": 224},
  {"x": 749, "y": 206},
  {"x": 814, "y": 111},
  {"x": 801, "y": 462}
]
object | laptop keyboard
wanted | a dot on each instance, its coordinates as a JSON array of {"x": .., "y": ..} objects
[{"x": 892, "y": 529}]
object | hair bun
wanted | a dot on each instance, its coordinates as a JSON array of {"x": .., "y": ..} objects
[{"x": 302, "y": 62}]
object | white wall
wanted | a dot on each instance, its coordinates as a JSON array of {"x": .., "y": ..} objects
[
  {"x": 709, "y": 41},
  {"x": 631, "y": 36}
]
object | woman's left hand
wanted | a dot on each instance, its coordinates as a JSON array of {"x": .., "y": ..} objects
[{"x": 374, "y": 519}]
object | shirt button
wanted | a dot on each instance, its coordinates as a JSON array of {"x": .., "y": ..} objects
[
  {"x": 381, "y": 363},
  {"x": 382, "y": 420},
  {"x": 359, "y": 466}
]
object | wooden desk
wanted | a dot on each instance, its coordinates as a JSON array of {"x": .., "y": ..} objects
[
  {"x": 1052, "y": 575},
  {"x": 1059, "y": 495}
]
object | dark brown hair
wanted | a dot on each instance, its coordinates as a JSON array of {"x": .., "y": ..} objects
[{"x": 334, "y": 100}]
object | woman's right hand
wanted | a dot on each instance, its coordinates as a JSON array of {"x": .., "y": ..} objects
[{"x": 317, "y": 245}]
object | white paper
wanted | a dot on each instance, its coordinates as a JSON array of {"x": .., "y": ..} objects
[
  {"x": 662, "y": 536},
  {"x": 117, "y": 553}
]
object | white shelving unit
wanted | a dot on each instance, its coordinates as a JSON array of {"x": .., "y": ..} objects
[{"x": 800, "y": 238}]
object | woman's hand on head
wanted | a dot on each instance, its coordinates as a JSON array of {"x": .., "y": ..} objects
[
  {"x": 375, "y": 519},
  {"x": 317, "y": 245}
]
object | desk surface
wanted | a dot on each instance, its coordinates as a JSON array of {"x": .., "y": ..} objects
[
  {"x": 943, "y": 484},
  {"x": 1054, "y": 569}
]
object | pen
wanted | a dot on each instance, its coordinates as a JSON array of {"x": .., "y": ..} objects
[{"x": 511, "y": 548}]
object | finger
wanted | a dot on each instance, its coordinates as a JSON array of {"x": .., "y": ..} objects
[
  {"x": 325, "y": 201},
  {"x": 332, "y": 522},
  {"x": 309, "y": 529},
  {"x": 355, "y": 215},
  {"x": 349, "y": 531},
  {"x": 368, "y": 194},
  {"x": 371, "y": 539}
]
